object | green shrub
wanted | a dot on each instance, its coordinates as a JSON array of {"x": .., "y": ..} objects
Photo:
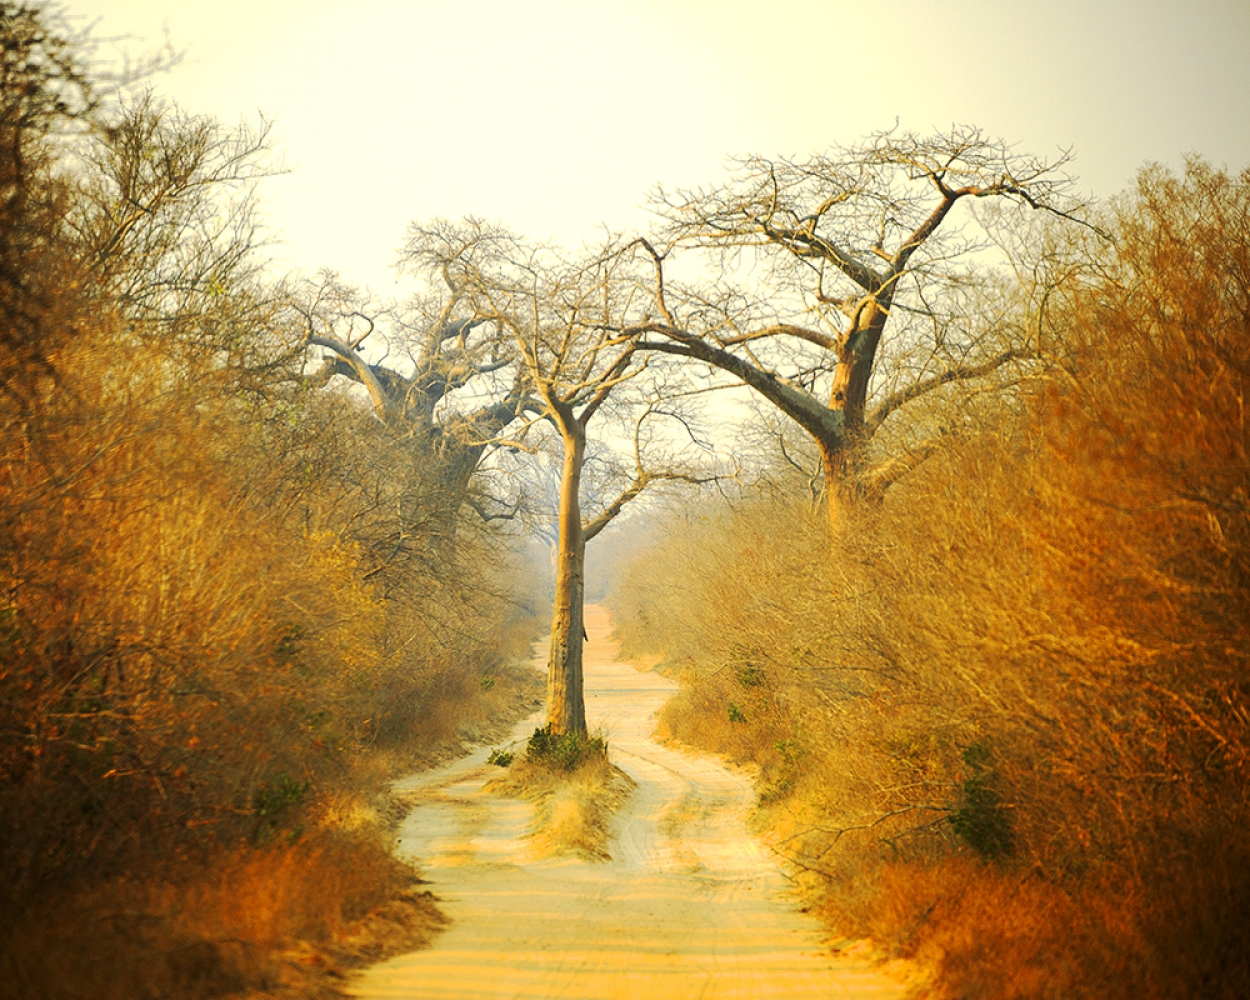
[
  {"x": 751, "y": 675},
  {"x": 563, "y": 751},
  {"x": 499, "y": 757},
  {"x": 273, "y": 805}
]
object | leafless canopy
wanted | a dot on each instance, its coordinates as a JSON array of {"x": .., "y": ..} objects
[{"x": 816, "y": 258}]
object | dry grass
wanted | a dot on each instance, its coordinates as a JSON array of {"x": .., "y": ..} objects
[
  {"x": 253, "y": 919},
  {"x": 1002, "y": 720},
  {"x": 574, "y": 808}
]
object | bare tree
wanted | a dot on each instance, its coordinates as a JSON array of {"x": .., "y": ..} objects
[
  {"x": 849, "y": 246},
  {"x": 164, "y": 219},
  {"x": 43, "y": 93},
  {"x": 450, "y": 389},
  {"x": 51, "y": 95},
  {"x": 564, "y": 319}
]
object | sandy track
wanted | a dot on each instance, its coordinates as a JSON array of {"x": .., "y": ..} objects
[{"x": 691, "y": 906}]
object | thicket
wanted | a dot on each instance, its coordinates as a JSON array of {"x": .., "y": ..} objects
[
  {"x": 221, "y": 624},
  {"x": 1001, "y": 716}
]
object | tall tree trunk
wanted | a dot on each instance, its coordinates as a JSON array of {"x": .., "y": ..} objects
[
  {"x": 857, "y": 355},
  {"x": 566, "y": 704}
]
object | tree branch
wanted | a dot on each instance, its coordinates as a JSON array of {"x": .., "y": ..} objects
[
  {"x": 959, "y": 374},
  {"x": 822, "y": 423},
  {"x": 783, "y": 330},
  {"x": 385, "y": 406}
]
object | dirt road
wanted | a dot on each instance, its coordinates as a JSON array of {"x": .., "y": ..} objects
[{"x": 691, "y": 905}]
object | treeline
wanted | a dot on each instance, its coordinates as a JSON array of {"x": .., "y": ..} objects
[
  {"x": 232, "y": 601},
  {"x": 1001, "y": 712}
]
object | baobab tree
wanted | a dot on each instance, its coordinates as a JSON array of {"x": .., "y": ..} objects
[
  {"x": 855, "y": 252},
  {"x": 445, "y": 386},
  {"x": 563, "y": 318}
]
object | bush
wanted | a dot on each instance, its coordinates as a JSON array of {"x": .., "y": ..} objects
[
  {"x": 500, "y": 758},
  {"x": 1031, "y": 652},
  {"x": 564, "y": 751},
  {"x": 980, "y": 819}
]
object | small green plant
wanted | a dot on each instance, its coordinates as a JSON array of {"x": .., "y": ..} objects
[
  {"x": 272, "y": 802},
  {"x": 488, "y": 683},
  {"x": 288, "y": 644},
  {"x": 10, "y": 631},
  {"x": 751, "y": 675},
  {"x": 563, "y": 751},
  {"x": 735, "y": 713},
  {"x": 981, "y": 821},
  {"x": 500, "y": 757}
]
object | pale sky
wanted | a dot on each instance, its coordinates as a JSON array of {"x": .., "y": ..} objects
[{"x": 558, "y": 117}]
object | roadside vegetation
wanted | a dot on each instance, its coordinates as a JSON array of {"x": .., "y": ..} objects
[
  {"x": 972, "y": 595},
  {"x": 1000, "y": 714},
  {"x": 223, "y": 628}
]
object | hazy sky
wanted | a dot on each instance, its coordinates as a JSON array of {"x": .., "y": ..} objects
[{"x": 556, "y": 117}]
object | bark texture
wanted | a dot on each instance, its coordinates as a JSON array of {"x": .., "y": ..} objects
[{"x": 566, "y": 705}]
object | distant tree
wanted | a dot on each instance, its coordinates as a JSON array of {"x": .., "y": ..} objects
[
  {"x": 451, "y": 389},
  {"x": 843, "y": 249}
]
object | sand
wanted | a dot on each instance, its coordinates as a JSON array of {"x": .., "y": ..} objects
[{"x": 691, "y": 905}]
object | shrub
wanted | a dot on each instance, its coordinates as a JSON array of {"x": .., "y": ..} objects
[
  {"x": 564, "y": 751},
  {"x": 980, "y": 819},
  {"x": 500, "y": 758}
]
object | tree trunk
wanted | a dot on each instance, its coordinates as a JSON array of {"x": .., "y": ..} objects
[
  {"x": 566, "y": 704},
  {"x": 833, "y": 462},
  {"x": 841, "y": 453},
  {"x": 857, "y": 355}
]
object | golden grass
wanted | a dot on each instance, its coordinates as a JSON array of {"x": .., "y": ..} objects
[
  {"x": 574, "y": 809},
  {"x": 247, "y": 919},
  {"x": 1002, "y": 725}
]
